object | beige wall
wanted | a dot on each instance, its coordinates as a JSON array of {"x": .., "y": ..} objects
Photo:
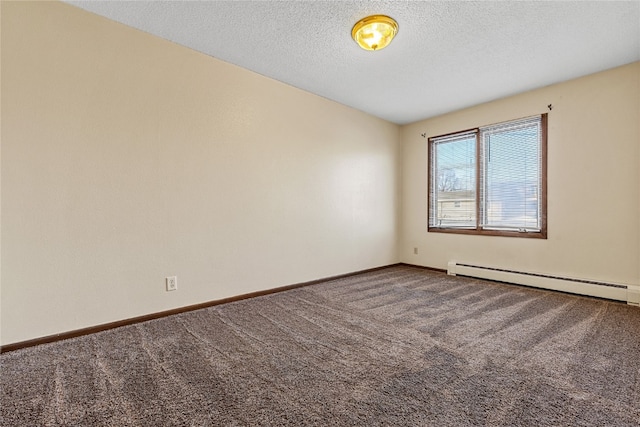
[
  {"x": 126, "y": 158},
  {"x": 593, "y": 183}
]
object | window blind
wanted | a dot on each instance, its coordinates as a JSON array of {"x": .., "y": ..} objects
[{"x": 510, "y": 184}]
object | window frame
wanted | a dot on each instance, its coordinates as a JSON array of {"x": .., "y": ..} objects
[{"x": 479, "y": 230}]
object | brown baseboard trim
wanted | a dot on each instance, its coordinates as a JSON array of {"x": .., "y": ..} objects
[
  {"x": 112, "y": 325},
  {"x": 439, "y": 270}
]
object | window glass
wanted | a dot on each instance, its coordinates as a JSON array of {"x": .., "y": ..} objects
[{"x": 454, "y": 174}]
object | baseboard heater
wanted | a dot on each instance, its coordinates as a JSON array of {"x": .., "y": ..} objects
[{"x": 627, "y": 293}]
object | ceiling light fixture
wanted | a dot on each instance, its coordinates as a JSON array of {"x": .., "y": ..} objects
[{"x": 374, "y": 32}]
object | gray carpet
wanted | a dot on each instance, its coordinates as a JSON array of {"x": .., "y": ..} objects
[{"x": 400, "y": 346}]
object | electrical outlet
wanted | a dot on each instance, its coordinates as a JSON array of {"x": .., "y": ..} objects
[
  {"x": 172, "y": 283},
  {"x": 415, "y": 251}
]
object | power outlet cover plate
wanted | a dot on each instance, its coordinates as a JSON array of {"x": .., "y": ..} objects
[{"x": 172, "y": 283}]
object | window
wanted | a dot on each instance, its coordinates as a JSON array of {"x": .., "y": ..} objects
[{"x": 490, "y": 180}]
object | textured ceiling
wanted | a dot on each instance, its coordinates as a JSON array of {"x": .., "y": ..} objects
[{"x": 446, "y": 56}]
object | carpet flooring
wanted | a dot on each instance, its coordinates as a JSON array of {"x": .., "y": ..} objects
[{"x": 401, "y": 346}]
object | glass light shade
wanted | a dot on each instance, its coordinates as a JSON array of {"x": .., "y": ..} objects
[{"x": 374, "y": 32}]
